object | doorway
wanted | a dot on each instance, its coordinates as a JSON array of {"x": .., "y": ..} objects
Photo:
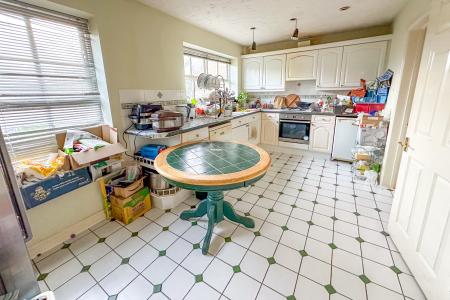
[{"x": 400, "y": 118}]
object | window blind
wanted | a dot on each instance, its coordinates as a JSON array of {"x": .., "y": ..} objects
[
  {"x": 205, "y": 55},
  {"x": 47, "y": 78}
]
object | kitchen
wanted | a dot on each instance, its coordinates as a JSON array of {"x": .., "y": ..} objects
[{"x": 262, "y": 120}]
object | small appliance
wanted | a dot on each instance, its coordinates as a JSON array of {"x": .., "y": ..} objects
[{"x": 141, "y": 115}]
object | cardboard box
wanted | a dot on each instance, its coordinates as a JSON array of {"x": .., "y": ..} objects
[
  {"x": 125, "y": 192},
  {"x": 83, "y": 159},
  {"x": 129, "y": 209},
  {"x": 104, "y": 168},
  {"x": 370, "y": 121},
  {"x": 40, "y": 192}
]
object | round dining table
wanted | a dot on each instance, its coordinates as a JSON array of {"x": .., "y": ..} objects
[{"x": 213, "y": 167}]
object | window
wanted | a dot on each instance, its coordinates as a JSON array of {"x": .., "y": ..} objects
[
  {"x": 47, "y": 78},
  {"x": 197, "y": 62}
]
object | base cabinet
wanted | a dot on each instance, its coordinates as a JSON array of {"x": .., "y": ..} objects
[
  {"x": 269, "y": 132},
  {"x": 321, "y": 134},
  {"x": 254, "y": 132},
  {"x": 241, "y": 133}
]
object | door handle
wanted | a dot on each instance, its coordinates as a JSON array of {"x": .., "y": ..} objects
[{"x": 404, "y": 144}]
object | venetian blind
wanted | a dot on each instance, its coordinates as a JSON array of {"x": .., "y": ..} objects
[
  {"x": 205, "y": 55},
  {"x": 47, "y": 78}
]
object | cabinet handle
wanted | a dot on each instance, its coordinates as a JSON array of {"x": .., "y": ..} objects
[{"x": 222, "y": 133}]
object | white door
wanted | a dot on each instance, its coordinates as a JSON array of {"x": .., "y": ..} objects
[
  {"x": 329, "y": 72},
  {"x": 364, "y": 61},
  {"x": 269, "y": 132},
  {"x": 274, "y": 72},
  {"x": 420, "y": 218},
  {"x": 301, "y": 65},
  {"x": 252, "y": 73}
]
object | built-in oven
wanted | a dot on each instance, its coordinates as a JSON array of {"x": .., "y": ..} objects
[{"x": 294, "y": 128}]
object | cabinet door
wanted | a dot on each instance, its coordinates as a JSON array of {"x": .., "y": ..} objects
[
  {"x": 252, "y": 73},
  {"x": 329, "y": 72},
  {"x": 321, "y": 138},
  {"x": 254, "y": 132},
  {"x": 274, "y": 72},
  {"x": 364, "y": 61},
  {"x": 269, "y": 132},
  {"x": 301, "y": 65},
  {"x": 241, "y": 133}
]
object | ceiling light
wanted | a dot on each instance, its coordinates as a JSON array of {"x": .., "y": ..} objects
[
  {"x": 344, "y": 8},
  {"x": 253, "y": 44},
  {"x": 294, "y": 36}
]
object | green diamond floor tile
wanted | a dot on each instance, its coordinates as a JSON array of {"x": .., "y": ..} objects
[
  {"x": 310, "y": 223},
  {"x": 284, "y": 228},
  {"x": 135, "y": 234},
  {"x": 227, "y": 239},
  {"x": 157, "y": 288},
  {"x": 113, "y": 297},
  {"x": 395, "y": 269},
  {"x": 125, "y": 260},
  {"x": 196, "y": 246},
  {"x": 101, "y": 240},
  {"x": 291, "y": 297},
  {"x": 236, "y": 269},
  {"x": 257, "y": 233},
  {"x": 65, "y": 246},
  {"x": 193, "y": 223},
  {"x": 364, "y": 278},
  {"x": 332, "y": 246},
  {"x": 359, "y": 239},
  {"x": 162, "y": 253},
  {"x": 42, "y": 276},
  {"x": 303, "y": 253},
  {"x": 198, "y": 278},
  {"x": 165, "y": 228},
  {"x": 271, "y": 260},
  {"x": 330, "y": 289},
  {"x": 85, "y": 268}
]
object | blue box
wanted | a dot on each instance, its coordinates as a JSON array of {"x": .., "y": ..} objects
[
  {"x": 40, "y": 192},
  {"x": 382, "y": 99}
]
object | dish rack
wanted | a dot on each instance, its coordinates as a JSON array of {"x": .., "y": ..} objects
[{"x": 145, "y": 162}]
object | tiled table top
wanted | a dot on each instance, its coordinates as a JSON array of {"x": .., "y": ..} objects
[{"x": 318, "y": 235}]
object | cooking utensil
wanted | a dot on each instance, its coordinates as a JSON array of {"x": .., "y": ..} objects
[
  {"x": 279, "y": 102},
  {"x": 141, "y": 113},
  {"x": 185, "y": 109},
  {"x": 292, "y": 100},
  {"x": 166, "y": 120}
]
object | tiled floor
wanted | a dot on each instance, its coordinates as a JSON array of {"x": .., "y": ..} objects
[{"x": 318, "y": 235}]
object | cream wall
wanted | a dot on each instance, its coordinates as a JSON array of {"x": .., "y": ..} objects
[{"x": 141, "y": 49}]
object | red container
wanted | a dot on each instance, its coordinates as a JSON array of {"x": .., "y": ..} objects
[{"x": 368, "y": 107}]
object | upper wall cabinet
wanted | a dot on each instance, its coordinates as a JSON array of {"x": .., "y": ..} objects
[
  {"x": 274, "y": 70},
  {"x": 252, "y": 73},
  {"x": 264, "y": 73},
  {"x": 301, "y": 65},
  {"x": 365, "y": 61},
  {"x": 329, "y": 72}
]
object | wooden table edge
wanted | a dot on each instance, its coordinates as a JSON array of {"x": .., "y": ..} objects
[{"x": 165, "y": 170}]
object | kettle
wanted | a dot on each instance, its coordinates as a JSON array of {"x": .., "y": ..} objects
[{"x": 185, "y": 109}]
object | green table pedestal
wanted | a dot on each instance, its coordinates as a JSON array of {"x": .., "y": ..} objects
[{"x": 216, "y": 208}]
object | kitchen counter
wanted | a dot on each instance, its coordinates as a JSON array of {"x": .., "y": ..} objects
[{"x": 208, "y": 122}]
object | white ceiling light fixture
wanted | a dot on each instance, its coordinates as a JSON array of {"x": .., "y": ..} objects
[
  {"x": 294, "y": 36},
  {"x": 253, "y": 43}
]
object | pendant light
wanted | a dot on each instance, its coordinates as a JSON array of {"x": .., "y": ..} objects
[
  {"x": 253, "y": 44},
  {"x": 294, "y": 36}
]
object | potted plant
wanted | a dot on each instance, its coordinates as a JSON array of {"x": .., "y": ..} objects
[{"x": 243, "y": 99}]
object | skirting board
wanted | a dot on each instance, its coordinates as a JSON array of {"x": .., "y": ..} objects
[{"x": 35, "y": 248}]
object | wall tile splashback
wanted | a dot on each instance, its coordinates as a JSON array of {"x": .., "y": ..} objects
[{"x": 169, "y": 97}]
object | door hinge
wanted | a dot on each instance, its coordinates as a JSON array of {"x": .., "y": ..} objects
[{"x": 404, "y": 144}]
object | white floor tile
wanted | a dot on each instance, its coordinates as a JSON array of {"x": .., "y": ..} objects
[
  {"x": 410, "y": 287},
  {"x": 281, "y": 279},
  {"x": 266, "y": 293},
  {"x": 288, "y": 257},
  {"x": 159, "y": 270},
  {"x": 316, "y": 270},
  {"x": 138, "y": 224},
  {"x": 118, "y": 279},
  {"x": 347, "y": 261},
  {"x": 218, "y": 275},
  {"x": 321, "y": 234},
  {"x": 381, "y": 275},
  {"x": 149, "y": 232},
  {"x": 308, "y": 290},
  {"x": 231, "y": 253},
  {"x": 107, "y": 229},
  {"x": 138, "y": 289},
  {"x": 195, "y": 234},
  {"x": 254, "y": 265},
  {"x": 180, "y": 226},
  {"x": 298, "y": 226},
  {"x": 154, "y": 213},
  {"x": 118, "y": 237},
  {"x": 54, "y": 260},
  {"x": 202, "y": 291},
  {"x": 166, "y": 219},
  {"x": 242, "y": 287},
  {"x": 163, "y": 240},
  {"x": 293, "y": 240},
  {"x": 376, "y": 292},
  {"x": 196, "y": 262},
  {"x": 105, "y": 265},
  {"x": 63, "y": 273},
  {"x": 348, "y": 284},
  {"x": 94, "y": 253},
  {"x": 319, "y": 250},
  {"x": 277, "y": 218},
  {"x": 242, "y": 237},
  {"x": 179, "y": 250},
  {"x": 225, "y": 228},
  {"x": 263, "y": 246},
  {"x": 75, "y": 287},
  {"x": 271, "y": 231},
  {"x": 83, "y": 243},
  {"x": 94, "y": 293},
  {"x": 143, "y": 258},
  {"x": 178, "y": 284},
  {"x": 376, "y": 253},
  {"x": 130, "y": 246}
]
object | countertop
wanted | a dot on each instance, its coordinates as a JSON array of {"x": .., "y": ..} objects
[{"x": 207, "y": 122}]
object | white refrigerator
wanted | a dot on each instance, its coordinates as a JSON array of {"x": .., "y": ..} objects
[{"x": 344, "y": 138}]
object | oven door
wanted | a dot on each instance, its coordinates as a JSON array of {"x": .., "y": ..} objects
[{"x": 294, "y": 131}]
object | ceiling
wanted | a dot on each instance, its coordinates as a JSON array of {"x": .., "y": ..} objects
[{"x": 233, "y": 18}]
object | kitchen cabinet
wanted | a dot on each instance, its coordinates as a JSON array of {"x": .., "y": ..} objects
[
  {"x": 269, "y": 128},
  {"x": 301, "y": 65},
  {"x": 264, "y": 73},
  {"x": 252, "y": 73},
  {"x": 321, "y": 133},
  {"x": 253, "y": 132},
  {"x": 329, "y": 67},
  {"x": 195, "y": 135},
  {"x": 365, "y": 61},
  {"x": 274, "y": 72},
  {"x": 240, "y": 133},
  {"x": 222, "y": 133}
]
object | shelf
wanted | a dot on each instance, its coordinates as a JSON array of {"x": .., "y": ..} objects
[{"x": 145, "y": 162}]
